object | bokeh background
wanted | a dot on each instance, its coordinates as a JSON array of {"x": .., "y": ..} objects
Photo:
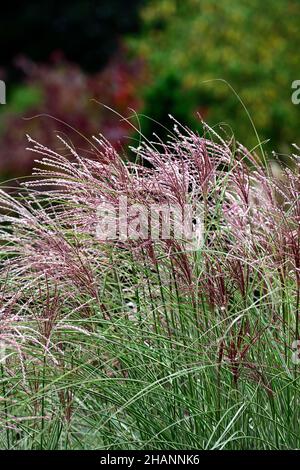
[{"x": 71, "y": 66}]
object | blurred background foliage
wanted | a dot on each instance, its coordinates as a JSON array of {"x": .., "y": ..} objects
[
  {"x": 253, "y": 45},
  {"x": 59, "y": 98},
  {"x": 86, "y": 31},
  {"x": 157, "y": 57}
]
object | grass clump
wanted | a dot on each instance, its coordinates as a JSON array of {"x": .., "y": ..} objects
[{"x": 148, "y": 344}]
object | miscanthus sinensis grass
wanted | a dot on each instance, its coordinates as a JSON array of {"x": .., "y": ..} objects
[{"x": 143, "y": 344}]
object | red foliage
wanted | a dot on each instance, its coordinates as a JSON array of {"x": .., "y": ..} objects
[{"x": 68, "y": 95}]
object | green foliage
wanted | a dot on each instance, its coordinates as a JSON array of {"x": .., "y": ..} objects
[
  {"x": 24, "y": 97},
  {"x": 252, "y": 45}
]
